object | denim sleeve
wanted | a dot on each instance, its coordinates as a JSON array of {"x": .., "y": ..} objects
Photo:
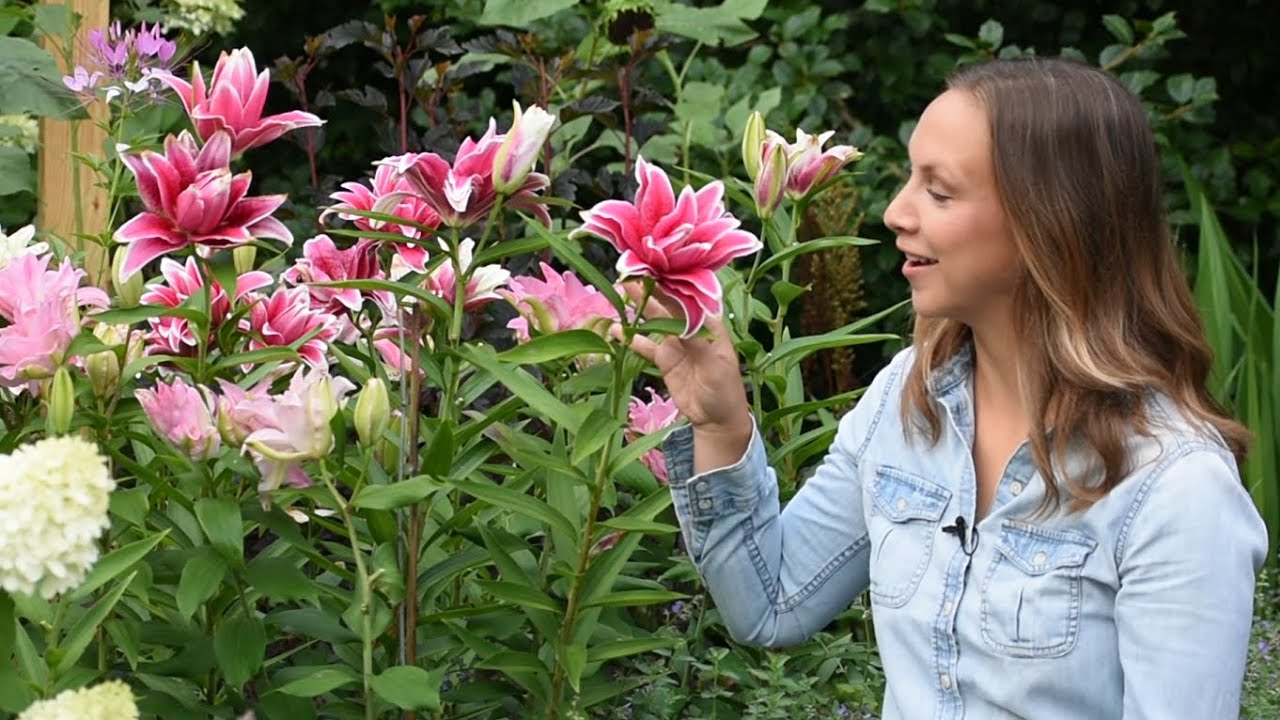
[
  {"x": 1187, "y": 557},
  {"x": 778, "y": 577}
]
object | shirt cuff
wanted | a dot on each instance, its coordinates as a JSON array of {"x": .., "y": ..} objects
[{"x": 732, "y": 488}]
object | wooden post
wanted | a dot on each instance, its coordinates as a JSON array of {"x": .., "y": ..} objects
[{"x": 55, "y": 189}]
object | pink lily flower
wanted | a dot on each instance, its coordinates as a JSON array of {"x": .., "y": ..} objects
[
  {"x": 233, "y": 103},
  {"x": 391, "y": 195},
  {"x": 556, "y": 303},
  {"x": 482, "y": 285},
  {"x": 808, "y": 165},
  {"x": 293, "y": 427},
  {"x": 174, "y": 335},
  {"x": 183, "y": 416},
  {"x": 463, "y": 194},
  {"x": 193, "y": 199},
  {"x": 234, "y": 420},
  {"x": 520, "y": 147},
  {"x": 285, "y": 317},
  {"x": 679, "y": 243},
  {"x": 322, "y": 261},
  {"x": 42, "y": 307},
  {"x": 646, "y": 418}
]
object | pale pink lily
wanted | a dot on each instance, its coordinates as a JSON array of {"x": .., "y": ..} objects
[
  {"x": 183, "y": 415},
  {"x": 42, "y": 307},
  {"x": 483, "y": 282},
  {"x": 285, "y": 318},
  {"x": 556, "y": 303},
  {"x": 18, "y": 243},
  {"x": 234, "y": 420},
  {"x": 680, "y": 243},
  {"x": 647, "y": 418},
  {"x": 808, "y": 165},
  {"x": 192, "y": 199},
  {"x": 520, "y": 147},
  {"x": 388, "y": 194},
  {"x": 174, "y": 335},
  {"x": 293, "y": 427},
  {"x": 233, "y": 103},
  {"x": 462, "y": 193}
]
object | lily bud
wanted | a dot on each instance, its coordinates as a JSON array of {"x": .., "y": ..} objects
[
  {"x": 373, "y": 412},
  {"x": 771, "y": 183},
  {"x": 242, "y": 258},
  {"x": 62, "y": 403},
  {"x": 128, "y": 292},
  {"x": 520, "y": 148},
  {"x": 388, "y": 452},
  {"x": 103, "y": 368},
  {"x": 752, "y": 139}
]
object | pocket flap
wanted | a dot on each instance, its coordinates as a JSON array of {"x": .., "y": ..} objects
[
  {"x": 1036, "y": 550},
  {"x": 902, "y": 496}
]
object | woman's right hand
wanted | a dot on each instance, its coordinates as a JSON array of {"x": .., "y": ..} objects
[{"x": 703, "y": 378}]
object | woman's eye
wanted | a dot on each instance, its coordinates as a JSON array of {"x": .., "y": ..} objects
[{"x": 937, "y": 195}]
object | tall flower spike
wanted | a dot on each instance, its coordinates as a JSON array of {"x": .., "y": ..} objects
[
  {"x": 680, "y": 243},
  {"x": 234, "y": 101}
]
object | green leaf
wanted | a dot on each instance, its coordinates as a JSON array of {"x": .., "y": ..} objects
[
  {"x": 991, "y": 33},
  {"x": 631, "y": 524},
  {"x": 567, "y": 344},
  {"x": 724, "y": 23},
  {"x": 624, "y": 648},
  {"x": 1119, "y": 28},
  {"x": 595, "y": 432},
  {"x": 280, "y": 579},
  {"x": 1181, "y": 87},
  {"x": 200, "y": 579},
  {"x": 319, "y": 681},
  {"x": 398, "y": 289},
  {"x": 519, "y": 595},
  {"x": 812, "y": 246},
  {"x": 240, "y": 644},
  {"x": 633, "y": 450},
  {"x": 139, "y": 313},
  {"x": 410, "y": 688},
  {"x": 439, "y": 456},
  {"x": 619, "y": 598},
  {"x": 522, "y": 384},
  {"x": 16, "y": 173},
  {"x": 394, "y": 495},
  {"x": 254, "y": 357},
  {"x": 509, "y": 661},
  {"x": 519, "y": 13},
  {"x": 115, "y": 563},
  {"x": 7, "y": 625},
  {"x": 516, "y": 501},
  {"x": 785, "y": 292},
  {"x": 575, "y": 661},
  {"x": 220, "y": 519},
  {"x": 86, "y": 627},
  {"x": 30, "y": 81}
]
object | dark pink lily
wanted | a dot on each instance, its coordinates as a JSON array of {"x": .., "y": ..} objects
[
  {"x": 171, "y": 335},
  {"x": 680, "y": 243},
  {"x": 192, "y": 199},
  {"x": 233, "y": 103}
]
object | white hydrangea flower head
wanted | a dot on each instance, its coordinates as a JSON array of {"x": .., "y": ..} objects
[
  {"x": 53, "y": 508},
  {"x": 18, "y": 243},
  {"x": 20, "y": 131},
  {"x": 202, "y": 17},
  {"x": 111, "y": 700}
]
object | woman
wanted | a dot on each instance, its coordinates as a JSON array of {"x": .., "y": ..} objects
[{"x": 1040, "y": 493}]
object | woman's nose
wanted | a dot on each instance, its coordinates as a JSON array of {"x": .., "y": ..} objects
[{"x": 898, "y": 216}]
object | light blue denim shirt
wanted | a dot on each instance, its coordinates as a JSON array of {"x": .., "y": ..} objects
[{"x": 1138, "y": 607}]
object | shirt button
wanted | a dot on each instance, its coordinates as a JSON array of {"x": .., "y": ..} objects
[
  {"x": 901, "y": 504},
  {"x": 946, "y": 608},
  {"x": 1040, "y": 558},
  {"x": 946, "y": 682},
  {"x": 1016, "y": 488},
  {"x": 701, "y": 486}
]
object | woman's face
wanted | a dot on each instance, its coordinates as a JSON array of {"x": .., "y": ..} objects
[{"x": 961, "y": 260}]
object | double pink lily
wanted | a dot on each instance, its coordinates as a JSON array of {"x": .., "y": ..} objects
[
  {"x": 234, "y": 101},
  {"x": 192, "y": 199},
  {"x": 680, "y": 243}
]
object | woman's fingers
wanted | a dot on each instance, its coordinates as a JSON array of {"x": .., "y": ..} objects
[{"x": 641, "y": 345}]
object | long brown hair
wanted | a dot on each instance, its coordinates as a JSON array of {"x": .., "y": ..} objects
[{"x": 1106, "y": 315}]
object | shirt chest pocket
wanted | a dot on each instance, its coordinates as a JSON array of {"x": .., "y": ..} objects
[
  {"x": 1032, "y": 592},
  {"x": 905, "y": 511}
]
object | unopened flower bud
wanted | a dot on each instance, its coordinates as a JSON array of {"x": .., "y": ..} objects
[
  {"x": 752, "y": 137},
  {"x": 373, "y": 412},
  {"x": 103, "y": 368},
  {"x": 62, "y": 403},
  {"x": 771, "y": 183},
  {"x": 243, "y": 257},
  {"x": 128, "y": 292},
  {"x": 520, "y": 147},
  {"x": 388, "y": 453}
]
